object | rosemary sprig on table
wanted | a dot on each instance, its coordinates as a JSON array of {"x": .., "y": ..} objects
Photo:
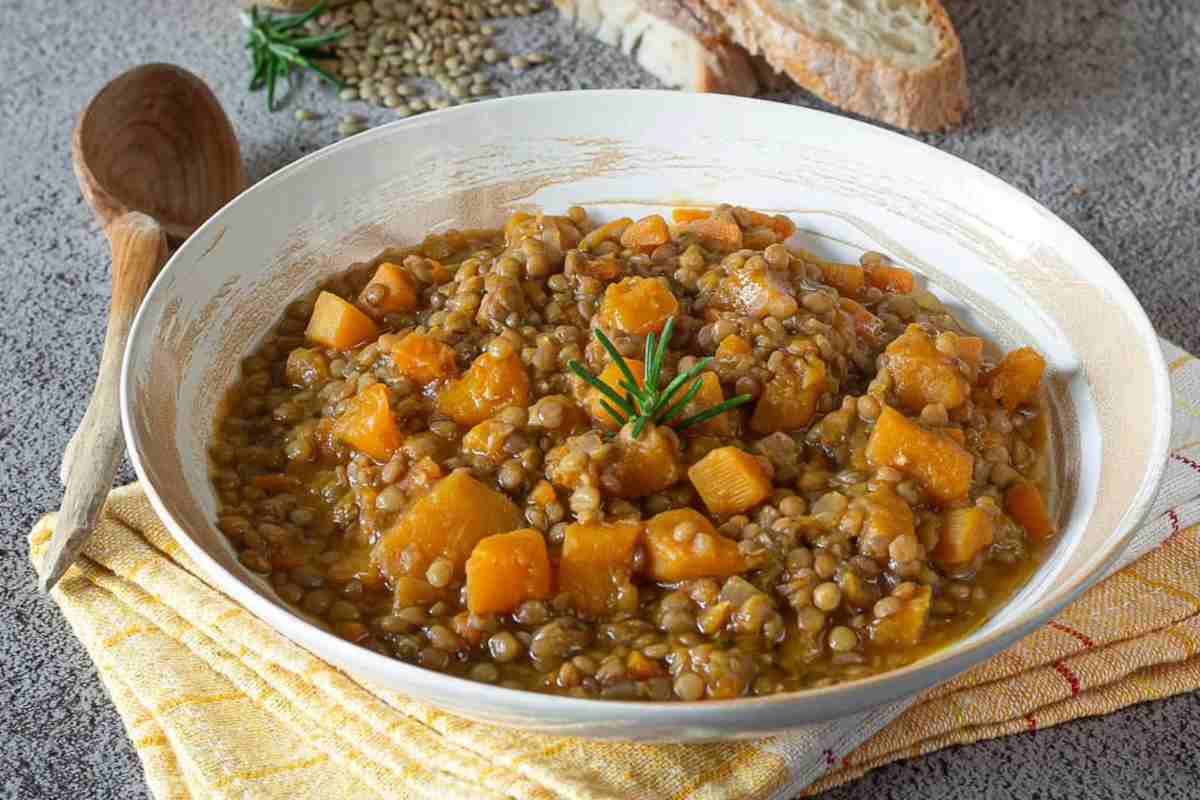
[
  {"x": 649, "y": 403},
  {"x": 278, "y": 47}
]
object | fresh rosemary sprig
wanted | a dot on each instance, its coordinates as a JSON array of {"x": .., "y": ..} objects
[
  {"x": 646, "y": 404},
  {"x": 278, "y": 48}
]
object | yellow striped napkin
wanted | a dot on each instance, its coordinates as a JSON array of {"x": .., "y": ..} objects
[{"x": 219, "y": 706}]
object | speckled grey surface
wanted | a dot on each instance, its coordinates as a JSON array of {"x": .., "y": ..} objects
[{"x": 1088, "y": 105}]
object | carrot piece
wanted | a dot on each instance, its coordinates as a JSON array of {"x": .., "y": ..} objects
[
  {"x": 400, "y": 293},
  {"x": 848, "y": 279},
  {"x": 682, "y": 216},
  {"x": 889, "y": 279},
  {"x": 505, "y": 570},
  {"x": 638, "y": 306},
  {"x": 865, "y": 323},
  {"x": 1015, "y": 381},
  {"x": 647, "y": 232},
  {"x": 702, "y": 553},
  {"x": 423, "y": 359},
  {"x": 597, "y": 566},
  {"x": 730, "y": 480},
  {"x": 1025, "y": 504},
  {"x": 489, "y": 385},
  {"x": 338, "y": 324},
  {"x": 936, "y": 461},
  {"x": 368, "y": 424}
]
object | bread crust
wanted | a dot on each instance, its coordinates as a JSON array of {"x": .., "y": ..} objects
[
  {"x": 929, "y": 99},
  {"x": 678, "y": 47}
]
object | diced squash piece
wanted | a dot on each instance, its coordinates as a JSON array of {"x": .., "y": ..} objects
[
  {"x": 400, "y": 292},
  {"x": 368, "y": 424},
  {"x": 965, "y": 532},
  {"x": 408, "y": 591},
  {"x": 935, "y": 461},
  {"x": 1025, "y": 504},
  {"x": 848, "y": 279},
  {"x": 710, "y": 396},
  {"x": 697, "y": 552},
  {"x": 338, "y": 324},
  {"x": 648, "y": 232},
  {"x": 757, "y": 292},
  {"x": 447, "y": 521},
  {"x": 645, "y": 465},
  {"x": 923, "y": 375},
  {"x": 907, "y": 625},
  {"x": 638, "y": 306},
  {"x": 488, "y": 386},
  {"x": 730, "y": 480},
  {"x": 487, "y": 439},
  {"x": 596, "y": 566},
  {"x": 889, "y": 279},
  {"x": 306, "y": 367},
  {"x": 720, "y": 233},
  {"x": 612, "y": 375},
  {"x": 733, "y": 346},
  {"x": 609, "y": 230},
  {"x": 790, "y": 397},
  {"x": 507, "y": 569},
  {"x": 886, "y": 516},
  {"x": 865, "y": 323},
  {"x": 423, "y": 359},
  {"x": 1015, "y": 381},
  {"x": 682, "y": 216},
  {"x": 970, "y": 350},
  {"x": 422, "y": 476},
  {"x": 602, "y": 268}
]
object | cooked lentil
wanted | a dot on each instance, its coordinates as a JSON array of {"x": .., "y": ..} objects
[{"x": 417, "y": 469}]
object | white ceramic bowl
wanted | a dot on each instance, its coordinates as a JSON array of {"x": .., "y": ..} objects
[{"x": 1006, "y": 262}]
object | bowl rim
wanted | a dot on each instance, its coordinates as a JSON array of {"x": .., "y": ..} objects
[{"x": 830, "y": 702}]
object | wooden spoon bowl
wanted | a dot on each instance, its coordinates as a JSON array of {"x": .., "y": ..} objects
[{"x": 155, "y": 140}]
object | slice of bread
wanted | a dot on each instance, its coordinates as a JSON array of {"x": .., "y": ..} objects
[
  {"x": 673, "y": 43},
  {"x": 898, "y": 61}
]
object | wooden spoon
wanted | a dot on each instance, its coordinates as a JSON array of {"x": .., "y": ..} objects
[{"x": 154, "y": 154}]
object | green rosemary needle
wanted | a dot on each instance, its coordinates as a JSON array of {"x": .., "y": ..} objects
[
  {"x": 278, "y": 47},
  {"x": 650, "y": 404}
]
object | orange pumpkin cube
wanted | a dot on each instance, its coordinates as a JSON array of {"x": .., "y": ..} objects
[
  {"x": 645, "y": 465},
  {"x": 709, "y": 396},
  {"x": 886, "y": 516},
  {"x": 648, "y": 232},
  {"x": 368, "y": 424},
  {"x": 733, "y": 346},
  {"x": 683, "y": 544},
  {"x": 487, "y": 439},
  {"x": 400, "y": 293},
  {"x": 848, "y": 279},
  {"x": 507, "y": 569},
  {"x": 423, "y": 359},
  {"x": 935, "y": 461},
  {"x": 612, "y": 376},
  {"x": 965, "y": 532},
  {"x": 682, "y": 216},
  {"x": 638, "y": 306},
  {"x": 757, "y": 292},
  {"x": 1025, "y": 504},
  {"x": 597, "y": 565},
  {"x": 789, "y": 399},
  {"x": 906, "y": 626},
  {"x": 490, "y": 385},
  {"x": 922, "y": 374},
  {"x": 730, "y": 480},
  {"x": 338, "y": 324},
  {"x": 448, "y": 521},
  {"x": 1015, "y": 381}
]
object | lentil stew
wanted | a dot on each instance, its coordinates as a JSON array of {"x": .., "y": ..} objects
[{"x": 642, "y": 459}]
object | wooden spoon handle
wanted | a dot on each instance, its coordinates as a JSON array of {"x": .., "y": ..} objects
[{"x": 139, "y": 250}]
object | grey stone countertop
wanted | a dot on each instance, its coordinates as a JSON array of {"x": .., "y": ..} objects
[{"x": 1088, "y": 105}]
